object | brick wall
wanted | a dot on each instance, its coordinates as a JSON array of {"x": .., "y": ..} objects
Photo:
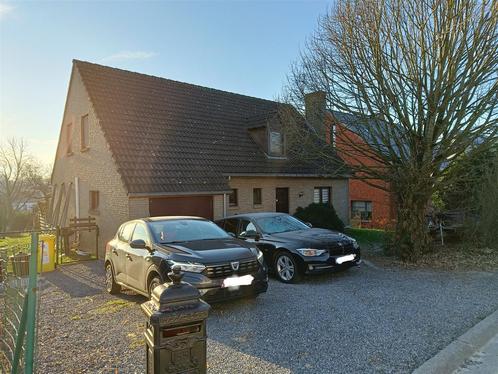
[
  {"x": 382, "y": 203},
  {"x": 300, "y": 193},
  {"x": 94, "y": 167}
]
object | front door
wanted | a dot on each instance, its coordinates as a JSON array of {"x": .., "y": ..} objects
[{"x": 282, "y": 199}]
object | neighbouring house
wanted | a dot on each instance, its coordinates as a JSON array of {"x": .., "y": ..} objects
[
  {"x": 133, "y": 145},
  {"x": 370, "y": 207}
]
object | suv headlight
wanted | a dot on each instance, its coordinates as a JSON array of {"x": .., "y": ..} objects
[
  {"x": 188, "y": 266},
  {"x": 258, "y": 253},
  {"x": 310, "y": 252}
]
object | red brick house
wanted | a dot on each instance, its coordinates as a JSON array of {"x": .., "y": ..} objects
[{"x": 369, "y": 206}]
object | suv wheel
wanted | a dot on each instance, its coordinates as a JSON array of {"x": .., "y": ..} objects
[
  {"x": 110, "y": 284},
  {"x": 154, "y": 282},
  {"x": 287, "y": 268}
]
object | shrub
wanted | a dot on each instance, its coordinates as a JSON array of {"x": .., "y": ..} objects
[{"x": 320, "y": 215}]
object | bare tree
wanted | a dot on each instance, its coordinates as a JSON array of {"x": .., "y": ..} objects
[
  {"x": 420, "y": 78},
  {"x": 20, "y": 180}
]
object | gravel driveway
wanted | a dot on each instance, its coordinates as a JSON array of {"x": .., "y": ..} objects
[{"x": 367, "y": 319}]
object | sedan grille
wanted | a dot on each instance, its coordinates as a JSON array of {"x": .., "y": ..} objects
[
  {"x": 225, "y": 270},
  {"x": 337, "y": 250}
]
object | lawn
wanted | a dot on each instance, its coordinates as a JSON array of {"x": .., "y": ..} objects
[{"x": 14, "y": 244}]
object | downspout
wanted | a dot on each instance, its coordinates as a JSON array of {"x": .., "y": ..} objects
[
  {"x": 224, "y": 205},
  {"x": 77, "y": 195}
]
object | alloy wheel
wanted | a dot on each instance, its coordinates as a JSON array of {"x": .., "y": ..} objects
[
  {"x": 285, "y": 268},
  {"x": 108, "y": 277}
]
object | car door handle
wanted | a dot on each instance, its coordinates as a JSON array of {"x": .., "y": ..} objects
[
  {"x": 128, "y": 256},
  {"x": 114, "y": 251}
]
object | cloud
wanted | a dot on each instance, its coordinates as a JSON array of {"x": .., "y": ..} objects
[
  {"x": 129, "y": 55},
  {"x": 5, "y": 9}
]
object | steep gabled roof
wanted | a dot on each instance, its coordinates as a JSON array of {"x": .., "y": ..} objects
[{"x": 173, "y": 137}]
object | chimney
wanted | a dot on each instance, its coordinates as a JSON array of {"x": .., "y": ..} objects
[{"x": 314, "y": 106}]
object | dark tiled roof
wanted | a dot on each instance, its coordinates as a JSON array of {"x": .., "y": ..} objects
[{"x": 173, "y": 137}]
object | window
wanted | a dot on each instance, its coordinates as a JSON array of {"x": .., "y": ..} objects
[
  {"x": 257, "y": 196},
  {"x": 84, "y": 133},
  {"x": 94, "y": 200},
  {"x": 231, "y": 225},
  {"x": 361, "y": 209},
  {"x": 233, "y": 198},
  {"x": 321, "y": 195},
  {"x": 69, "y": 138},
  {"x": 140, "y": 233},
  {"x": 276, "y": 143},
  {"x": 246, "y": 226},
  {"x": 125, "y": 232}
]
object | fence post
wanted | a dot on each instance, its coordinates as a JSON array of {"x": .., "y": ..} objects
[{"x": 31, "y": 315}]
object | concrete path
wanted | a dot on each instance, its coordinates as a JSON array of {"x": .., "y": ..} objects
[
  {"x": 476, "y": 351},
  {"x": 484, "y": 361}
]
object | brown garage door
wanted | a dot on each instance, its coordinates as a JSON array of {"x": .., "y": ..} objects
[{"x": 201, "y": 206}]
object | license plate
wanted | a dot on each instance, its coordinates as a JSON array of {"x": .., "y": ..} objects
[
  {"x": 245, "y": 280},
  {"x": 340, "y": 260}
]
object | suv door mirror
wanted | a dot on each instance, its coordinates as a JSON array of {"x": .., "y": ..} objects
[{"x": 138, "y": 243}]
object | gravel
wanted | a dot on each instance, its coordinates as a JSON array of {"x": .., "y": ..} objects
[{"x": 367, "y": 319}]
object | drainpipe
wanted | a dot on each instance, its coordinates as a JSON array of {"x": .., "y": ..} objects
[
  {"x": 224, "y": 205},
  {"x": 77, "y": 195}
]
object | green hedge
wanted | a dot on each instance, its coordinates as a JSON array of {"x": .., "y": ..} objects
[{"x": 320, "y": 215}]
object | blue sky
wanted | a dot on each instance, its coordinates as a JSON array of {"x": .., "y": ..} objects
[{"x": 244, "y": 47}]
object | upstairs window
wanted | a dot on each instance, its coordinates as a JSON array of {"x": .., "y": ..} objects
[
  {"x": 362, "y": 210},
  {"x": 321, "y": 195},
  {"x": 84, "y": 133},
  {"x": 276, "y": 143},
  {"x": 69, "y": 138},
  {"x": 233, "y": 198},
  {"x": 257, "y": 198},
  {"x": 94, "y": 201}
]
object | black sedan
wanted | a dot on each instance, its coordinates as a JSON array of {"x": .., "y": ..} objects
[
  {"x": 292, "y": 248},
  {"x": 221, "y": 267}
]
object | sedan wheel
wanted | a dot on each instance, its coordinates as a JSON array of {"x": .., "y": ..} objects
[
  {"x": 286, "y": 268},
  {"x": 110, "y": 284}
]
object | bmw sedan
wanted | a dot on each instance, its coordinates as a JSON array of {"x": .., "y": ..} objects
[
  {"x": 143, "y": 252},
  {"x": 292, "y": 248}
]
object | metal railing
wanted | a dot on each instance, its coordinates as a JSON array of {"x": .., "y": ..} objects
[{"x": 18, "y": 304}]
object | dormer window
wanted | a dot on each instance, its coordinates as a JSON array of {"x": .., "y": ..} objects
[{"x": 276, "y": 143}]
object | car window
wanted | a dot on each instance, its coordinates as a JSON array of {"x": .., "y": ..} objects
[
  {"x": 140, "y": 233},
  {"x": 125, "y": 233},
  {"x": 280, "y": 223},
  {"x": 246, "y": 226},
  {"x": 231, "y": 225},
  {"x": 182, "y": 230}
]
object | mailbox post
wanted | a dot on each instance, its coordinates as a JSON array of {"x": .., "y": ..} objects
[{"x": 175, "y": 331}]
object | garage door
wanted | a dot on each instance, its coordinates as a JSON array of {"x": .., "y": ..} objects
[{"x": 201, "y": 206}]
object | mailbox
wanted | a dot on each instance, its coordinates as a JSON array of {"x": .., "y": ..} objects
[{"x": 175, "y": 331}]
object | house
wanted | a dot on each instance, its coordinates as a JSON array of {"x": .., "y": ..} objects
[
  {"x": 370, "y": 207},
  {"x": 133, "y": 145}
]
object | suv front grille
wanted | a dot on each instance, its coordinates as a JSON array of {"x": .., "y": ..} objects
[
  {"x": 225, "y": 270},
  {"x": 338, "y": 250}
]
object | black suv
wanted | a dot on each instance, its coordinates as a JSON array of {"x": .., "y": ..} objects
[
  {"x": 292, "y": 248},
  {"x": 220, "y": 266}
]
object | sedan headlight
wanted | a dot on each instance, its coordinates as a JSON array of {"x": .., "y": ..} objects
[
  {"x": 310, "y": 252},
  {"x": 355, "y": 243},
  {"x": 188, "y": 266}
]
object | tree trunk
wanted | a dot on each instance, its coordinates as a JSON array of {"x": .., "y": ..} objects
[{"x": 411, "y": 238}]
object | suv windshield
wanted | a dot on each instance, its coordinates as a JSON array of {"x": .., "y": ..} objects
[
  {"x": 280, "y": 223},
  {"x": 183, "y": 230}
]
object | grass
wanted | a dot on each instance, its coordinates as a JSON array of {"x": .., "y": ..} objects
[
  {"x": 111, "y": 306},
  {"x": 367, "y": 236},
  {"x": 11, "y": 245}
]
